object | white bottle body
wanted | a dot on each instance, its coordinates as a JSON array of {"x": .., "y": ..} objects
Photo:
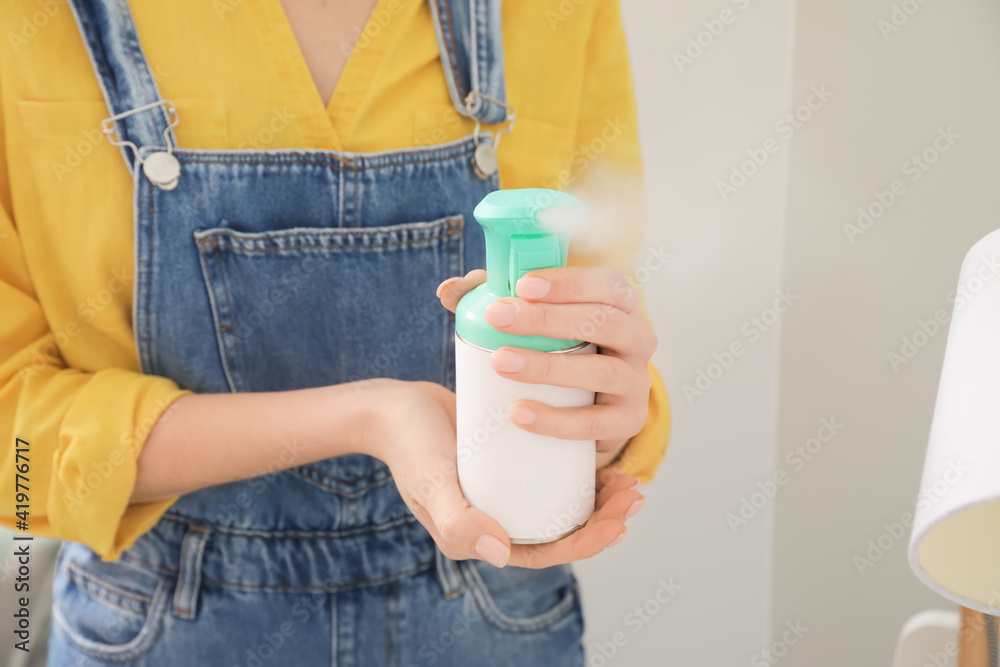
[{"x": 538, "y": 488}]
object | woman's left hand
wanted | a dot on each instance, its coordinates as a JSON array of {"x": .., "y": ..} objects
[{"x": 597, "y": 305}]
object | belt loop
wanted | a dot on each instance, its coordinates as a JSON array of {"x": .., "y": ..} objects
[
  {"x": 448, "y": 574},
  {"x": 189, "y": 573}
]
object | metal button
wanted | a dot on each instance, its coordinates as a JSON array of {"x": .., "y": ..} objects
[
  {"x": 485, "y": 160},
  {"x": 162, "y": 169}
]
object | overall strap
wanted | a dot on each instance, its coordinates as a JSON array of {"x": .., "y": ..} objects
[
  {"x": 124, "y": 74},
  {"x": 470, "y": 39}
]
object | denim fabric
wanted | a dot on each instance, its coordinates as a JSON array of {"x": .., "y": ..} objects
[{"x": 284, "y": 269}]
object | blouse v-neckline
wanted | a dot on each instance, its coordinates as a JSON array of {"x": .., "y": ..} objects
[{"x": 327, "y": 126}]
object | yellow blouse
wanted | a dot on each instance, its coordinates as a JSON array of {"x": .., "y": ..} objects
[{"x": 70, "y": 383}]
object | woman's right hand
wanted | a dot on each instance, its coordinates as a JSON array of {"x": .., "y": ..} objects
[{"x": 412, "y": 429}]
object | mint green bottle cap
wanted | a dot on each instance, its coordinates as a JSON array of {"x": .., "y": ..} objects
[{"x": 517, "y": 242}]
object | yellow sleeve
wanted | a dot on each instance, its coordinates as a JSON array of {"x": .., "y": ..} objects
[
  {"x": 607, "y": 136},
  {"x": 83, "y": 431}
]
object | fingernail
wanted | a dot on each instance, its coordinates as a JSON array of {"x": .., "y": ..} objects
[
  {"x": 443, "y": 284},
  {"x": 520, "y": 414},
  {"x": 507, "y": 361},
  {"x": 635, "y": 483},
  {"x": 532, "y": 288},
  {"x": 634, "y": 508},
  {"x": 500, "y": 314},
  {"x": 492, "y": 550},
  {"x": 618, "y": 539}
]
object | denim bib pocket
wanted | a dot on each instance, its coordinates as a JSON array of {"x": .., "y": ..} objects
[{"x": 360, "y": 301}]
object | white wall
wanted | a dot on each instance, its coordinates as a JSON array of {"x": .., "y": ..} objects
[
  {"x": 940, "y": 69},
  {"x": 886, "y": 94},
  {"x": 724, "y": 270}
]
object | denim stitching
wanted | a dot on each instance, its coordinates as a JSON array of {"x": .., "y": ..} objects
[
  {"x": 251, "y": 160},
  {"x": 104, "y": 589},
  {"x": 148, "y": 634},
  {"x": 504, "y": 623},
  {"x": 322, "y": 587},
  {"x": 311, "y": 535},
  {"x": 452, "y": 49},
  {"x": 330, "y": 487},
  {"x": 220, "y": 329},
  {"x": 219, "y": 242},
  {"x": 385, "y": 622},
  {"x": 193, "y": 562},
  {"x": 343, "y": 480},
  {"x": 207, "y": 236}
]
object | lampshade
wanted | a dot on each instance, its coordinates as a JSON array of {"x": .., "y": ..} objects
[{"x": 955, "y": 543}]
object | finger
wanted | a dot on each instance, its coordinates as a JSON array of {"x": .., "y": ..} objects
[
  {"x": 585, "y": 543},
  {"x": 605, "y": 526},
  {"x": 588, "y": 422},
  {"x": 578, "y": 284},
  {"x": 621, "y": 482},
  {"x": 452, "y": 290},
  {"x": 606, "y": 326},
  {"x": 594, "y": 372},
  {"x": 464, "y": 532}
]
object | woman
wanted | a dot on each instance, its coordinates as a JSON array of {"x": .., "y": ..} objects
[{"x": 230, "y": 357}]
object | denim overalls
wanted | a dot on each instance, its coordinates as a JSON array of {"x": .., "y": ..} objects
[{"x": 275, "y": 270}]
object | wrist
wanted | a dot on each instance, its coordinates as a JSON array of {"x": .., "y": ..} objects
[{"x": 379, "y": 398}]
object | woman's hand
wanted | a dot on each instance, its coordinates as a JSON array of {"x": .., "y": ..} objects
[
  {"x": 413, "y": 432},
  {"x": 597, "y": 305}
]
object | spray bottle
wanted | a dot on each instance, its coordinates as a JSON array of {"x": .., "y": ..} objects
[{"x": 538, "y": 488}]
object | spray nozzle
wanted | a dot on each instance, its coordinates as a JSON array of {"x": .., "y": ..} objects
[{"x": 524, "y": 232}]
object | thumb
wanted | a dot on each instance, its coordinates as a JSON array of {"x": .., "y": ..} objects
[
  {"x": 452, "y": 290},
  {"x": 464, "y": 531}
]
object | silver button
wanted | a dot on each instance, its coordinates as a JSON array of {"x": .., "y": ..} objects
[
  {"x": 485, "y": 160},
  {"x": 162, "y": 169}
]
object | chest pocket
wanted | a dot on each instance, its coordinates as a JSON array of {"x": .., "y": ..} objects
[
  {"x": 73, "y": 128},
  {"x": 307, "y": 307}
]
